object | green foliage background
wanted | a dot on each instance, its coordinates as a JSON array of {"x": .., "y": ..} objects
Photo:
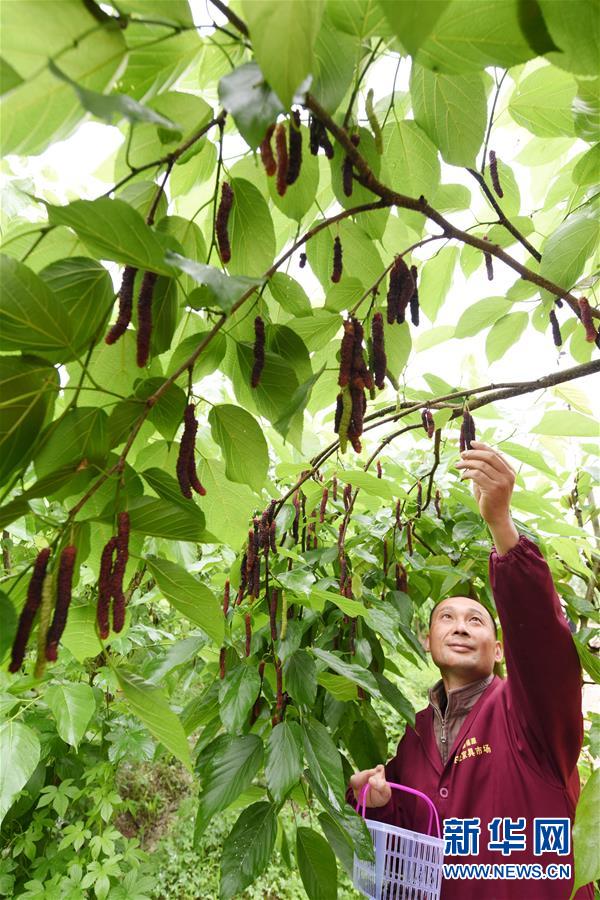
[{"x": 85, "y": 433}]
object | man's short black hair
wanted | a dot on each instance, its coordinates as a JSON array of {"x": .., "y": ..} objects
[{"x": 494, "y": 623}]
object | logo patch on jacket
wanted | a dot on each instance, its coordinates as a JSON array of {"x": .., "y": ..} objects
[{"x": 471, "y": 749}]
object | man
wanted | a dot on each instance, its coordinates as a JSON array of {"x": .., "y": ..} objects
[{"x": 495, "y": 755}]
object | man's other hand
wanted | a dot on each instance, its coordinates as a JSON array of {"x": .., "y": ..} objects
[
  {"x": 379, "y": 792},
  {"x": 493, "y": 482}
]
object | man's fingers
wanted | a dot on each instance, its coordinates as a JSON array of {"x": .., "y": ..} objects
[
  {"x": 481, "y": 479},
  {"x": 480, "y": 465},
  {"x": 494, "y": 457}
]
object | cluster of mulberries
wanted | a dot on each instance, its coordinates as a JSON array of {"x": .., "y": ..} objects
[
  {"x": 64, "y": 582},
  {"x": 428, "y": 423},
  {"x": 266, "y": 152},
  {"x": 222, "y": 222},
  {"x": 32, "y": 604},
  {"x": 400, "y": 291},
  {"x": 467, "y": 431},
  {"x": 282, "y": 159},
  {"x": 110, "y": 581},
  {"x": 295, "y": 145},
  {"x": 186, "y": 460},
  {"x": 336, "y": 271},
  {"x": 494, "y": 174},
  {"x": 125, "y": 305},
  {"x": 354, "y": 378},
  {"x": 319, "y": 138},
  {"x": 258, "y": 351}
]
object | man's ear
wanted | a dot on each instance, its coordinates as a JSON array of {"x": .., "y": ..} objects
[
  {"x": 426, "y": 643},
  {"x": 498, "y": 652}
]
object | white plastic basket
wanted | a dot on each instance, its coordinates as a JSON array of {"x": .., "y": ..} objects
[{"x": 408, "y": 864}]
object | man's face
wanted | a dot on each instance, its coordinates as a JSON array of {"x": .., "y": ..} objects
[{"x": 461, "y": 639}]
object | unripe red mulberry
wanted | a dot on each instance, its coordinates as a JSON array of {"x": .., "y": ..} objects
[
  {"x": 64, "y": 583},
  {"x": 125, "y": 305},
  {"x": 144, "y": 313},
  {"x": 334, "y": 487},
  {"x": 258, "y": 351},
  {"x": 419, "y": 497},
  {"x": 437, "y": 502},
  {"x": 428, "y": 423},
  {"x": 336, "y": 272},
  {"x": 266, "y": 152},
  {"x": 489, "y": 265},
  {"x": 30, "y": 608},
  {"x": 494, "y": 174},
  {"x": 282, "y": 159},
  {"x": 379, "y": 470},
  {"x": 586, "y": 320},
  {"x": 295, "y": 145},
  {"x": 323, "y": 505},
  {"x": 222, "y": 222},
  {"x": 347, "y": 496},
  {"x": 467, "y": 431},
  {"x": 556, "y": 335},
  {"x": 379, "y": 357}
]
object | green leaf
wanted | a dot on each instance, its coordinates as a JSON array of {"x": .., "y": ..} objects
[
  {"x": 333, "y": 65},
  {"x": 80, "y": 636},
  {"x": 223, "y": 290},
  {"x": 412, "y": 20},
  {"x": 452, "y": 110},
  {"x": 80, "y": 436},
  {"x": 567, "y": 424},
  {"x": 207, "y": 361},
  {"x": 111, "y": 107},
  {"x": 290, "y": 295},
  {"x": 248, "y": 848},
  {"x": 237, "y": 694},
  {"x": 241, "y": 439},
  {"x": 167, "y": 412},
  {"x": 504, "y": 333},
  {"x": 251, "y": 102},
  {"x": 298, "y": 403},
  {"x": 396, "y": 699},
  {"x": 481, "y": 315},
  {"x": 433, "y": 337},
  {"x": 251, "y": 232},
  {"x": 585, "y": 833},
  {"x": 398, "y": 346},
  {"x": 317, "y": 865},
  {"x": 230, "y": 766},
  {"x": 300, "y": 676},
  {"x": 20, "y": 750},
  {"x": 32, "y": 319},
  {"x": 587, "y": 167},
  {"x": 190, "y": 597},
  {"x": 190, "y": 238},
  {"x": 574, "y": 29},
  {"x": 467, "y": 37},
  {"x": 338, "y": 686},
  {"x": 354, "y": 673},
  {"x": 169, "y": 520},
  {"x": 436, "y": 279},
  {"x": 339, "y": 839},
  {"x": 111, "y": 229},
  {"x": 168, "y": 10},
  {"x": 27, "y": 387},
  {"x": 72, "y": 705},
  {"x": 324, "y": 760},
  {"x": 8, "y": 623},
  {"x": 542, "y": 101},
  {"x": 586, "y": 110},
  {"x": 566, "y": 250},
  {"x": 85, "y": 291},
  {"x": 283, "y": 37},
  {"x": 227, "y": 506},
  {"x": 149, "y": 704},
  {"x": 375, "y": 487},
  {"x": 411, "y": 160},
  {"x": 283, "y": 767}
]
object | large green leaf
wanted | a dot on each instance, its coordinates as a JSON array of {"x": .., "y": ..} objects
[
  {"x": 237, "y": 694},
  {"x": 20, "y": 752},
  {"x": 333, "y": 66},
  {"x": 323, "y": 760},
  {"x": 43, "y": 109},
  {"x": 85, "y": 291},
  {"x": 28, "y": 387},
  {"x": 542, "y": 101},
  {"x": 316, "y": 862},
  {"x": 80, "y": 436},
  {"x": 290, "y": 295},
  {"x": 566, "y": 250},
  {"x": 150, "y": 705},
  {"x": 436, "y": 279},
  {"x": 227, "y": 769},
  {"x": 411, "y": 161},
  {"x": 32, "y": 319},
  {"x": 284, "y": 759},
  {"x": 452, "y": 110},
  {"x": 222, "y": 290},
  {"x": 251, "y": 231},
  {"x": 113, "y": 230},
  {"x": 190, "y": 597},
  {"x": 227, "y": 506},
  {"x": 413, "y": 20},
  {"x": 244, "y": 447},
  {"x": 481, "y": 315},
  {"x": 160, "y": 518},
  {"x": 505, "y": 332},
  {"x": 248, "y": 848},
  {"x": 470, "y": 35},
  {"x": 73, "y": 706},
  {"x": 574, "y": 28},
  {"x": 156, "y": 61},
  {"x": 585, "y": 833},
  {"x": 301, "y": 677},
  {"x": 251, "y": 102},
  {"x": 207, "y": 361},
  {"x": 283, "y": 37},
  {"x": 567, "y": 423}
]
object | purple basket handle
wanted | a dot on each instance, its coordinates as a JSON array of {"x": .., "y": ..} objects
[{"x": 433, "y": 813}]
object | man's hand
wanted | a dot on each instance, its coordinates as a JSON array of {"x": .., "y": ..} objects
[
  {"x": 379, "y": 792},
  {"x": 493, "y": 482}
]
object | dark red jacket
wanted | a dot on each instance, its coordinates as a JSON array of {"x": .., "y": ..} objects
[{"x": 525, "y": 733}]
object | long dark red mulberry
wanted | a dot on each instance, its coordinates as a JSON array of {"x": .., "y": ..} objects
[
  {"x": 323, "y": 504},
  {"x": 295, "y": 148},
  {"x": 222, "y": 222},
  {"x": 428, "y": 423},
  {"x": 360, "y": 376},
  {"x": 419, "y": 497},
  {"x": 118, "y": 572},
  {"x": 243, "y": 580},
  {"x": 556, "y": 335},
  {"x": 489, "y": 264},
  {"x": 409, "y": 534},
  {"x": 125, "y": 305},
  {"x": 379, "y": 469},
  {"x": 494, "y": 174},
  {"x": 336, "y": 272},
  {"x": 144, "y": 312},
  {"x": 186, "y": 462},
  {"x": 105, "y": 588},
  {"x": 400, "y": 290},
  {"x": 248, "y": 624},
  {"x": 401, "y": 578},
  {"x": 30, "y": 608},
  {"x": 282, "y": 159},
  {"x": 346, "y": 354},
  {"x": 64, "y": 584},
  {"x": 467, "y": 431},
  {"x": 266, "y": 152},
  {"x": 586, "y": 320},
  {"x": 414, "y": 300},
  {"x": 258, "y": 351},
  {"x": 379, "y": 357}
]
